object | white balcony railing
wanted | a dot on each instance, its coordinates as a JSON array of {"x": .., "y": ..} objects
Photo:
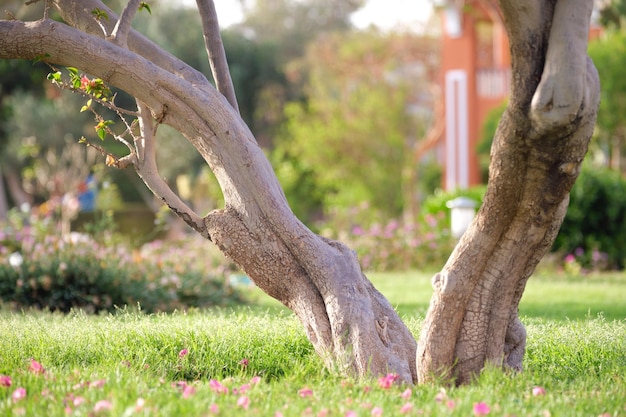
[{"x": 493, "y": 82}]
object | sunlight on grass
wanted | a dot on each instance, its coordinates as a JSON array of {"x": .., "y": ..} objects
[{"x": 256, "y": 360}]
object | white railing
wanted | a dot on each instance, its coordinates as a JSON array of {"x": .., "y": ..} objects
[{"x": 493, "y": 82}]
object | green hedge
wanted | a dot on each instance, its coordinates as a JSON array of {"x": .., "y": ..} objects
[
  {"x": 45, "y": 271},
  {"x": 594, "y": 229}
]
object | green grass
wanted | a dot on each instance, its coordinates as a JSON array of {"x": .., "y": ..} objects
[{"x": 576, "y": 352}]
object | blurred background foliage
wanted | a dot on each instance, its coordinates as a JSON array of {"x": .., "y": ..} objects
[{"x": 339, "y": 112}]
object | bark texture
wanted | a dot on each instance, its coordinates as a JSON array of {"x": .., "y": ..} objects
[
  {"x": 536, "y": 156},
  {"x": 350, "y": 324}
]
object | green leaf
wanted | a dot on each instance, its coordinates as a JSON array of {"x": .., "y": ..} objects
[
  {"x": 55, "y": 76},
  {"x": 145, "y": 6},
  {"x": 41, "y": 57},
  {"x": 86, "y": 106},
  {"x": 72, "y": 70},
  {"x": 101, "y": 133},
  {"x": 100, "y": 14}
]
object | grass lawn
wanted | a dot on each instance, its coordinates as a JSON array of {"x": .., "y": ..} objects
[{"x": 256, "y": 360}]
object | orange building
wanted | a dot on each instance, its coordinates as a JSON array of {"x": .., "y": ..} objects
[{"x": 475, "y": 71}]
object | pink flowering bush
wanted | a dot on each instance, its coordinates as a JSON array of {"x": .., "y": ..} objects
[
  {"x": 396, "y": 244},
  {"x": 39, "y": 268}
]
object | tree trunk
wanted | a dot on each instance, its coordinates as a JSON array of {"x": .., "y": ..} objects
[
  {"x": 536, "y": 156},
  {"x": 473, "y": 315}
]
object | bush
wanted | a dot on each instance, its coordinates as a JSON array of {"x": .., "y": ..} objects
[
  {"x": 594, "y": 228},
  {"x": 40, "y": 269},
  {"x": 397, "y": 245}
]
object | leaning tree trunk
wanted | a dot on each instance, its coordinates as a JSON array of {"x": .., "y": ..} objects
[
  {"x": 538, "y": 149},
  {"x": 350, "y": 324},
  {"x": 473, "y": 316}
]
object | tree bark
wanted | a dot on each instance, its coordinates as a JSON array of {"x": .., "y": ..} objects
[
  {"x": 350, "y": 324},
  {"x": 536, "y": 156}
]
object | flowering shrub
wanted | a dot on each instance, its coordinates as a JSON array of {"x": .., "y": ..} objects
[
  {"x": 39, "y": 268},
  {"x": 397, "y": 245}
]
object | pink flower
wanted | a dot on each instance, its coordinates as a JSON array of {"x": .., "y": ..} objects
[
  {"x": 188, "y": 391},
  {"x": 217, "y": 387},
  {"x": 78, "y": 401},
  {"x": 255, "y": 380},
  {"x": 323, "y": 412},
  {"x": 350, "y": 413},
  {"x": 214, "y": 409},
  {"x": 244, "y": 362},
  {"x": 84, "y": 82},
  {"x": 278, "y": 414},
  {"x": 18, "y": 394},
  {"x": 244, "y": 388},
  {"x": 406, "y": 408},
  {"x": 35, "y": 367},
  {"x": 98, "y": 383},
  {"x": 377, "y": 411},
  {"x": 538, "y": 391},
  {"x": 387, "y": 381},
  {"x": 183, "y": 353},
  {"x": 5, "y": 381},
  {"x": 305, "y": 392},
  {"x": 570, "y": 258},
  {"x": 481, "y": 409},
  {"x": 406, "y": 394},
  {"x": 451, "y": 405},
  {"x": 243, "y": 402},
  {"x": 102, "y": 405}
]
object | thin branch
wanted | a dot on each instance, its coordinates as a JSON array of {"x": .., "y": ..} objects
[
  {"x": 123, "y": 25},
  {"x": 215, "y": 50},
  {"x": 147, "y": 170}
]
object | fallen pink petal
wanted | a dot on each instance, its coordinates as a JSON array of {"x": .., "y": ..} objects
[
  {"x": 387, "y": 381},
  {"x": 102, "y": 405},
  {"x": 406, "y": 394},
  {"x": 243, "y": 402},
  {"x": 406, "y": 408},
  {"x": 305, "y": 392},
  {"x": 78, "y": 401},
  {"x": 5, "y": 381},
  {"x": 97, "y": 384},
  {"x": 35, "y": 367},
  {"x": 538, "y": 391},
  {"x": 481, "y": 409},
  {"x": 188, "y": 391},
  {"x": 217, "y": 387},
  {"x": 18, "y": 394},
  {"x": 183, "y": 353}
]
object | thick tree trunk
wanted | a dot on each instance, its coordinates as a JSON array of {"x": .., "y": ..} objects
[
  {"x": 348, "y": 321},
  {"x": 536, "y": 156}
]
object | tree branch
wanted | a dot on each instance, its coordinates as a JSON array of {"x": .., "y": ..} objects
[
  {"x": 78, "y": 15},
  {"x": 123, "y": 25},
  {"x": 562, "y": 89},
  {"x": 147, "y": 169},
  {"x": 215, "y": 50}
]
